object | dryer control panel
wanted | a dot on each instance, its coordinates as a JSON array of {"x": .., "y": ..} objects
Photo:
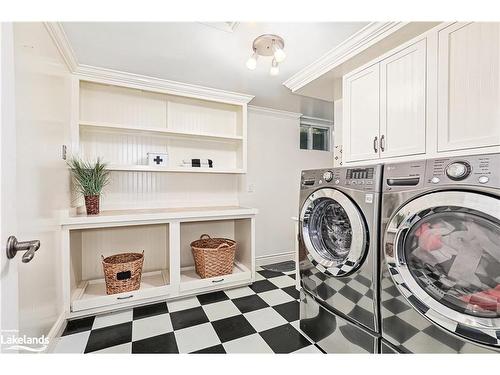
[
  {"x": 357, "y": 178},
  {"x": 479, "y": 170}
]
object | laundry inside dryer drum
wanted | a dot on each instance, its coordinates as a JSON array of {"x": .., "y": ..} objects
[
  {"x": 330, "y": 230},
  {"x": 454, "y": 255}
]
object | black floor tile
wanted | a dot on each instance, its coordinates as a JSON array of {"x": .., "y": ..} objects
[
  {"x": 269, "y": 274},
  {"x": 284, "y": 339},
  {"x": 150, "y": 310},
  {"x": 109, "y": 336},
  {"x": 205, "y": 299},
  {"x": 188, "y": 318},
  {"x": 249, "y": 303},
  {"x": 232, "y": 328},
  {"x": 262, "y": 286},
  {"x": 363, "y": 316},
  {"x": 292, "y": 291},
  {"x": 289, "y": 310},
  {"x": 292, "y": 275},
  {"x": 217, "y": 349},
  {"x": 78, "y": 325},
  {"x": 157, "y": 344}
]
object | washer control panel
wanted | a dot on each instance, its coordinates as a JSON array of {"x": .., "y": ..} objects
[
  {"x": 365, "y": 179},
  {"x": 468, "y": 170}
]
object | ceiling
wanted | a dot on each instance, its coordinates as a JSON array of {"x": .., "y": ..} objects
[{"x": 210, "y": 54}]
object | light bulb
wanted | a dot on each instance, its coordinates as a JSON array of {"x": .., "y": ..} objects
[
  {"x": 252, "y": 61},
  {"x": 279, "y": 54},
  {"x": 274, "y": 71}
]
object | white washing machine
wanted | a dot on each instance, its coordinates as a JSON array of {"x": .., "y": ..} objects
[
  {"x": 338, "y": 250},
  {"x": 440, "y": 275}
]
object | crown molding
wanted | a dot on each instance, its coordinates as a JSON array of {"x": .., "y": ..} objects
[
  {"x": 111, "y": 76},
  {"x": 361, "y": 40},
  {"x": 142, "y": 82},
  {"x": 273, "y": 112},
  {"x": 62, "y": 43}
]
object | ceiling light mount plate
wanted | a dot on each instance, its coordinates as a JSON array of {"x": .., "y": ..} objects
[{"x": 263, "y": 44}]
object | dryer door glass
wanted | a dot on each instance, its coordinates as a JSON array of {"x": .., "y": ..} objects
[
  {"x": 334, "y": 232},
  {"x": 454, "y": 255},
  {"x": 442, "y": 250}
]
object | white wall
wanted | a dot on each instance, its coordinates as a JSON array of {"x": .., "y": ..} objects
[
  {"x": 274, "y": 165},
  {"x": 42, "y": 87}
]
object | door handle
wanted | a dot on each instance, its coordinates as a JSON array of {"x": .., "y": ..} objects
[
  {"x": 382, "y": 143},
  {"x": 13, "y": 246},
  {"x": 375, "y": 144}
]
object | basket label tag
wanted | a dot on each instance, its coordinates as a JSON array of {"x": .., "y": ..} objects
[
  {"x": 125, "y": 275},
  {"x": 369, "y": 198}
]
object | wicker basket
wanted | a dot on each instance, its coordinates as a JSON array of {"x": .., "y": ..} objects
[
  {"x": 213, "y": 256},
  {"x": 122, "y": 272}
]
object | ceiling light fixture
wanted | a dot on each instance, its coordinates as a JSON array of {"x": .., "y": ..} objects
[{"x": 268, "y": 45}]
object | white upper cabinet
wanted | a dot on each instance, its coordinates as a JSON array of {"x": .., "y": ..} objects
[
  {"x": 361, "y": 115},
  {"x": 402, "y": 102},
  {"x": 384, "y": 107},
  {"x": 469, "y": 86}
]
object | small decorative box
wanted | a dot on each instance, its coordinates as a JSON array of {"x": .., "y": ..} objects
[{"x": 157, "y": 159}]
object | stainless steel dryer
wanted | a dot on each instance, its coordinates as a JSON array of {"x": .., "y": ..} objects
[
  {"x": 338, "y": 247},
  {"x": 440, "y": 279}
]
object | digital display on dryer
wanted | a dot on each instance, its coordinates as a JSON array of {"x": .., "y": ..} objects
[{"x": 359, "y": 173}]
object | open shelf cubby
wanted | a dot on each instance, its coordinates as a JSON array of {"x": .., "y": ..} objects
[
  {"x": 122, "y": 125},
  {"x": 239, "y": 230},
  {"x": 88, "y": 289}
]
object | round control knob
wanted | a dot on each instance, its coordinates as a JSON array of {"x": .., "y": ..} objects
[
  {"x": 458, "y": 170},
  {"x": 328, "y": 176},
  {"x": 337, "y": 182},
  {"x": 435, "y": 180},
  {"x": 483, "y": 179}
]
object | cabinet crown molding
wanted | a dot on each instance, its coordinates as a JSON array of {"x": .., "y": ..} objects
[{"x": 359, "y": 41}]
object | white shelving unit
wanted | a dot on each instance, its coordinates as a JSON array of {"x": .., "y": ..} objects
[
  {"x": 122, "y": 124},
  {"x": 165, "y": 236}
]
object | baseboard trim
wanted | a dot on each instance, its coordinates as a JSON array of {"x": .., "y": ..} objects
[
  {"x": 56, "y": 331},
  {"x": 274, "y": 258}
]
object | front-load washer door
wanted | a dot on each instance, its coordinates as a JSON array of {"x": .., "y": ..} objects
[
  {"x": 443, "y": 253},
  {"x": 334, "y": 232}
]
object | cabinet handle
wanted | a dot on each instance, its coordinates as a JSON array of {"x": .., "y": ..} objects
[
  {"x": 375, "y": 144},
  {"x": 127, "y": 297},
  {"x": 382, "y": 143},
  {"x": 217, "y": 281}
]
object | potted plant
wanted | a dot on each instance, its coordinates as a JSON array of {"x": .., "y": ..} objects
[{"x": 89, "y": 178}]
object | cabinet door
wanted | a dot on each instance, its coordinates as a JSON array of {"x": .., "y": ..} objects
[
  {"x": 469, "y": 86},
  {"x": 402, "y": 102},
  {"x": 361, "y": 115}
]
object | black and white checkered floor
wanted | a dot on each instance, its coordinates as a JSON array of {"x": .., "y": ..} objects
[{"x": 260, "y": 318}]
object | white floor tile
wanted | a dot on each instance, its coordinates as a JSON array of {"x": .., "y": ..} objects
[
  {"x": 112, "y": 319},
  {"x": 308, "y": 350},
  {"x": 72, "y": 343},
  {"x": 239, "y": 292},
  {"x": 220, "y": 310},
  {"x": 183, "y": 304},
  {"x": 275, "y": 297},
  {"x": 152, "y": 326},
  {"x": 248, "y": 344},
  {"x": 118, "y": 349},
  {"x": 259, "y": 277},
  {"x": 195, "y": 338},
  {"x": 282, "y": 281},
  {"x": 263, "y": 319}
]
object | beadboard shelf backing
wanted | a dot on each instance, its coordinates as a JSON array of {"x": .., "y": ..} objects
[{"x": 122, "y": 125}]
